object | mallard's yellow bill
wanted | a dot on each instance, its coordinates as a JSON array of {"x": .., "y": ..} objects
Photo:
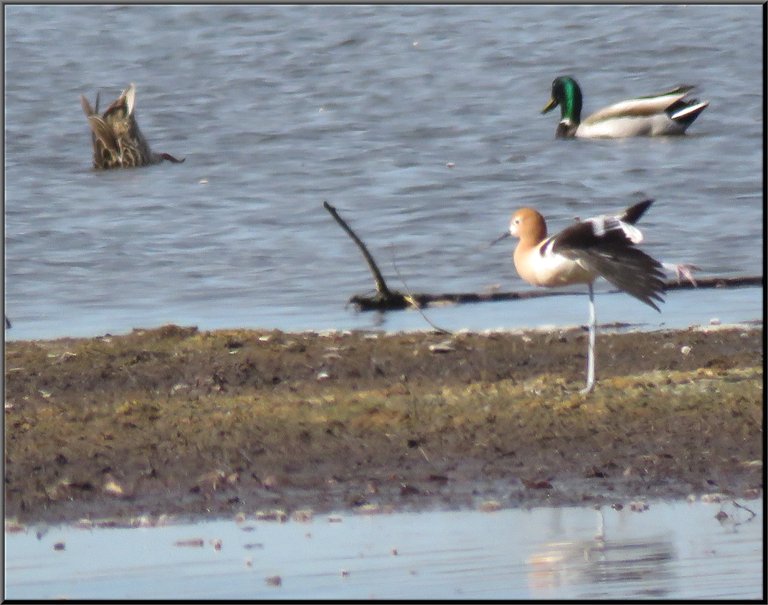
[{"x": 550, "y": 106}]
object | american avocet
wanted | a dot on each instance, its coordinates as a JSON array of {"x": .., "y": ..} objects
[
  {"x": 117, "y": 140},
  {"x": 601, "y": 246},
  {"x": 666, "y": 113}
]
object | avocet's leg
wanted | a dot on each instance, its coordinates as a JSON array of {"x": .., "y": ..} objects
[{"x": 591, "y": 347}]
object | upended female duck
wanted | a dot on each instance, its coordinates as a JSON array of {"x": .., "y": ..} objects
[
  {"x": 117, "y": 140},
  {"x": 666, "y": 113}
]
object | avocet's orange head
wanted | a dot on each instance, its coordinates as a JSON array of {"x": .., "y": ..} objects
[{"x": 528, "y": 225}]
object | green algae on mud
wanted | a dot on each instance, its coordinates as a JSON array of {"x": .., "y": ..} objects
[{"x": 173, "y": 420}]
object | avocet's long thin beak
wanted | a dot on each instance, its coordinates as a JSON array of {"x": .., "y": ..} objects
[{"x": 504, "y": 235}]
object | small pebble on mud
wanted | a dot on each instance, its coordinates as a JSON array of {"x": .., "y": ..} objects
[
  {"x": 14, "y": 527},
  {"x": 272, "y": 515},
  {"x": 270, "y": 482},
  {"x": 303, "y": 516},
  {"x": 445, "y": 346},
  {"x": 193, "y": 542},
  {"x": 490, "y": 506},
  {"x": 375, "y": 509},
  {"x": 714, "y": 498},
  {"x": 113, "y": 488}
]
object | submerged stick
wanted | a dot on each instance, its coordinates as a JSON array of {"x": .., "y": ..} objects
[{"x": 366, "y": 303}]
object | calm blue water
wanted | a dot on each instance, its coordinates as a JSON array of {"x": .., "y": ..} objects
[
  {"x": 277, "y": 108},
  {"x": 673, "y": 550}
]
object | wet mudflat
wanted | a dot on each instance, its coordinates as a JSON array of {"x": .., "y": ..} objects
[{"x": 183, "y": 422}]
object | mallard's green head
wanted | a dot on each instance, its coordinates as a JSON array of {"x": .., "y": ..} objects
[{"x": 567, "y": 94}]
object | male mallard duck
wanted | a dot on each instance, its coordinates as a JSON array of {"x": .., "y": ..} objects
[
  {"x": 662, "y": 114},
  {"x": 117, "y": 140}
]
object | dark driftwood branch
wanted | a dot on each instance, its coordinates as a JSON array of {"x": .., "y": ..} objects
[
  {"x": 384, "y": 298},
  {"x": 717, "y": 282}
]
